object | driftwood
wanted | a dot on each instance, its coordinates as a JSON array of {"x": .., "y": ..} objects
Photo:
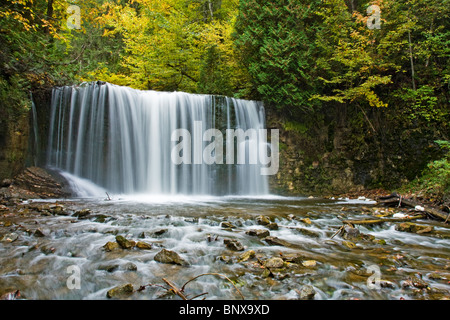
[
  {"x": 175, "y": 289},
  {"x": 395, "y": 199},
  {"x": 180, "y": 292},
  {"x": 380, "y": 221}
]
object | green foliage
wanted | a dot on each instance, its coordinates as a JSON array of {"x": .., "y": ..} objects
[
  {"x": 295, "y": 127},
  {"x": 435, "y": 179},
  {"x": 303, "y": 54},
  {"x": 215, "y": 74},
  {"x": 276, "y": 42}
]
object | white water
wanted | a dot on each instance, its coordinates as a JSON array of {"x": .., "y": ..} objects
[
  {"x": 120, "y": 139},
  {"x": 83, "y": 188}
]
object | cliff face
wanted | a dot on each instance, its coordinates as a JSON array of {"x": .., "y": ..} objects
[
  {"x": 19, "y": 148},
  {"x": 340, "y": 151},
  {"x": 14, "y": 135}
]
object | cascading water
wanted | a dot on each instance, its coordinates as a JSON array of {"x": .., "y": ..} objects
[{"x": 122, "y": 140}]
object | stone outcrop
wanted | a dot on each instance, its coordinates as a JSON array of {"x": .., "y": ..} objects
[{"x": 35, "y": 182}]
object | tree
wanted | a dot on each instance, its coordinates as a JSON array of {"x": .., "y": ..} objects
[
  {"x": 275, "y": 40},
  {"x": 170, "y": 44}
]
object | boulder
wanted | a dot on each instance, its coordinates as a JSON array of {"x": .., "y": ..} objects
[
  {"x": 143, "y": 245},
  {"x": 272, "y": 226},
  {"x": 275, "y": 263},
  {"x": 168, "y": 256},
  {"x": 108, "y": 267},
  {"x": 124, "y": 243},
  {"x": 306, "y": 292},
  {"x": 274, "y": 241},
  {"x": 262, "y": 220},
  {"x": 246, "y": 255},
  {"x": 58, "y": 210},
  {"x": 158, "y": 232},
  {"x": 260, "y": 233},
  {"x": 82, "y": 214},
  {"x": 130, "y": 266},
  {"x": 120, "y": 291},
  {"x": 10, "y": 237},
  {"x": 38, "y": 233},
  {"x": 233, "y": 245},
  {"x": 309, "y": 263},
  {"x": 414, "y": 228},
  {"x": 227, "y": 225},
  {"x": 110, "y": 246}
]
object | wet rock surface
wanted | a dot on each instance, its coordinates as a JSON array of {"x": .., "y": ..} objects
[
  {"x": 35, "y": 182},
  {"x": 171, "y": 257}
]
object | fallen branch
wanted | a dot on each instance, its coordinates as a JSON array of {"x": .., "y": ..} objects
[
  {"x": 339, "y": 230},
  {"x": 175, "y": 289},
  {"x": 213, "y": 274},
  {"x": 380, "y": 221},
  {"x": 397, "y": 199}
]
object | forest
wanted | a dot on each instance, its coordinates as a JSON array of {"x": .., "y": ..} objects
[
  {"x": 93, "y": 207},
  {"x": 370, "y": 70}
]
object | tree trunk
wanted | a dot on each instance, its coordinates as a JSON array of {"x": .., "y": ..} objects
[
  {"x": 49, "y": 15},
  {"x": 412, "y": 61}
]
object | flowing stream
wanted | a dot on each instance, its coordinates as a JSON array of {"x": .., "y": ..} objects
[{"x": 192, "y": 227}]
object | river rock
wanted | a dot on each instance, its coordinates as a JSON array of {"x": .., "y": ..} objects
[
  {"x": 262, "y": 220},
  {"x": 260, "y": 233},
  {"x": 350, "y": 233},
  {"x": 246, "y": 255},
  {"x": 159, "y": 232},
  {"x": 168, "y": 256},
  {"x": 108, "y": 267},
  {"x": 38, "y": 233},
  {"x": 309, "y": 263},
  {"x": 274, "y": 241},
  {"x": 415, "y": 281},
  {"x": 82, "y": 214},
  {"x": 124, "y": 243},
  {"x": 101, "y": 218},
  {"x": 275, "y": 263},
  {"x": 58, "y": 210},
  {"x": 412, "y": 227},
  {"x": 10, "y": 237},
  {"x": 307, "y": 232},
  {"x": 120, "y": 291},
  {"x": 349, "y": 244},
  {"x": 233, "y": 244},
  {"x": 307, "y": 292},
  {"x": 110, "y": 246},
  {"x": 143, "y": 245},
  {"x": 227, "y": 225},
  {"x": 272, "y": 226},
  {"x": 130, "y": 266},
  {"x": 306, "y": 220}
]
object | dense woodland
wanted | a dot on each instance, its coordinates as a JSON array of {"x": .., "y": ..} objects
[{"x": 305, "y": 59}]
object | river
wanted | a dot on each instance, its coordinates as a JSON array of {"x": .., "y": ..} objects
[{"x": 390, "y": 265}]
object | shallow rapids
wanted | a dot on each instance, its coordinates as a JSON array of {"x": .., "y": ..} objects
[{"x": 401, "y": 264}]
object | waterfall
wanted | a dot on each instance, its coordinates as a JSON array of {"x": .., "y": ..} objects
[{"x": 122, "y": 140}]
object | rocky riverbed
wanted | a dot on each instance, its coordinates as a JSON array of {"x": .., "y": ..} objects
[{"x": 260, "y": 248}]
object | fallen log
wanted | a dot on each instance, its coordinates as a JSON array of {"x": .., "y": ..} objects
[
  {"x": 401, "y": 201},
  {"x": 380, "y": 221}
]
